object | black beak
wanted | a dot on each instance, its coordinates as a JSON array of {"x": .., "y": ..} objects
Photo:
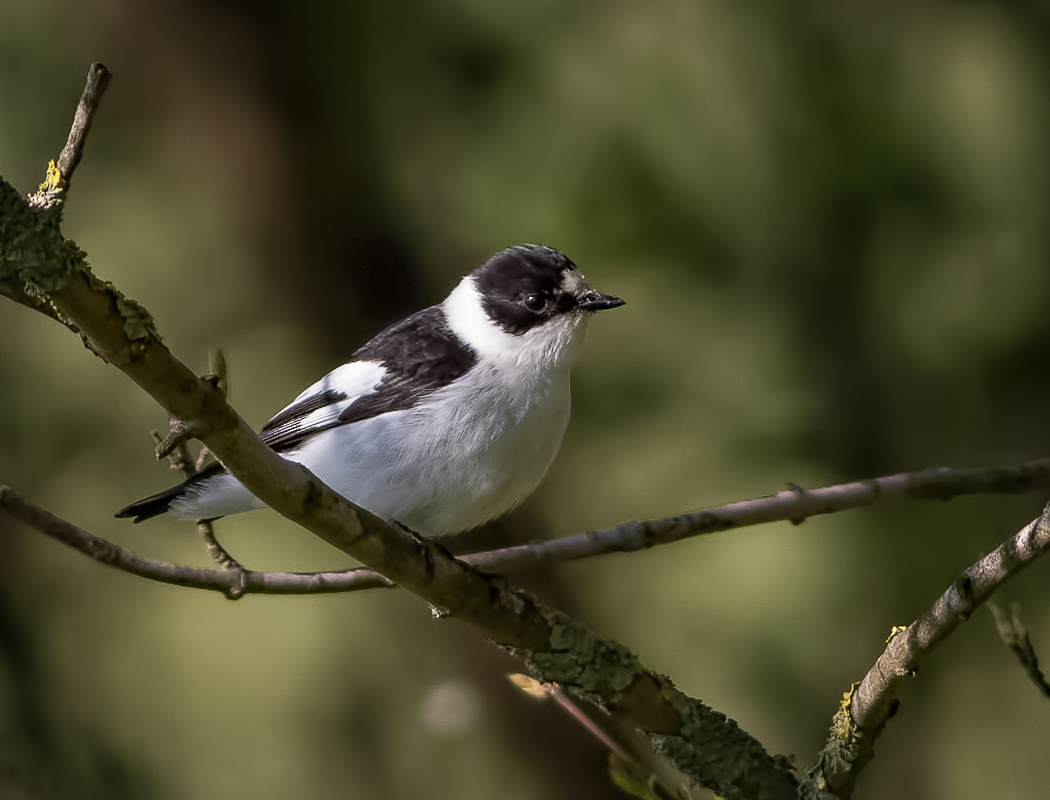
[{"x": 594, "y": 301}]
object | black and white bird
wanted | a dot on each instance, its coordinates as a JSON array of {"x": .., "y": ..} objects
[{"x": 445, "y": 420}]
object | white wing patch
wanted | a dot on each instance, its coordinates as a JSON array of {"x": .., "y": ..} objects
[
  {"x": 355, "y": 379},
  {"x": 319, "y": 406}
]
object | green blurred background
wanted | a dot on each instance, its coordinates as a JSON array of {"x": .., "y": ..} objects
[{"x": 829, "y": 221}]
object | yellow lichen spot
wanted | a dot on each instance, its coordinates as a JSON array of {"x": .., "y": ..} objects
[
  {"x": 847, "y": 697},
  {"x": 531, "y": 686},
  {"x": 842, "y": 723},
  {"x": 53, "y": 180},
  {"x": 894, "y": 631}
]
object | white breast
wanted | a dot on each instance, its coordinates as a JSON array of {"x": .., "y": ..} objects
[{"x": 467, "y": 454}]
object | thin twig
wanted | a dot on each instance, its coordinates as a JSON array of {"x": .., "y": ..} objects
[
  {"x": 218, "y": 553},
  {"x": 869, "y": 707},
  {"x": 52, "y": 191},
  {"x": 97, "y": 80},
  {"x": 224, "y": 581},
  {"x": 794, "y": 505},
  {"x": 633, "y": 765},
  {"x": 1014, "y": 634}
]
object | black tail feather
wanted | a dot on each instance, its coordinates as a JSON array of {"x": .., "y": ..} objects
[
  {"x": 152, "y": 506},
  {"x": 157, "y": 504}
]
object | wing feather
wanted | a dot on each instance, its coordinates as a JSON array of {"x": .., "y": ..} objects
[
  {"x": 394, "y": 371},
  {"x": 318, "y": 408},
  {"x": 421, "y": 354}
]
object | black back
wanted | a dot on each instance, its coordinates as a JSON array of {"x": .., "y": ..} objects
[{"x": 421, "y": 354}]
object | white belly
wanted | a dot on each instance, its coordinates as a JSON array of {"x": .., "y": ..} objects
[{"x": 457, "y": 461}]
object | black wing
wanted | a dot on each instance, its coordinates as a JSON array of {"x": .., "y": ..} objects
[
  {"x": 302, "y": 419},
  {"x": 419, "y": 355}
]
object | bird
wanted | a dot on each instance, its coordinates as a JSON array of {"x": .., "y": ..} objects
[{"x": 444, "y": 420}]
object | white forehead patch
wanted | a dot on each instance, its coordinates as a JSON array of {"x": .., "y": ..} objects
[{"x": 573, "y": 282}]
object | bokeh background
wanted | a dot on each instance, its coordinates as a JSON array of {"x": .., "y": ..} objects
[{"x": 830, "y": 223}]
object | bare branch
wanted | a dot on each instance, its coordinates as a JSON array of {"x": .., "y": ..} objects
[
  {"x": 794, "y": 504},
  {"x": 1014, "y": 634},
  {"x": 869, "y": 707},
  {"x": 227, "y": 582},
  {"x": 97, "y": 81}
]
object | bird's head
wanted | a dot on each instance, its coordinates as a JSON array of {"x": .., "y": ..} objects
[{"x": 528, "y": 303}]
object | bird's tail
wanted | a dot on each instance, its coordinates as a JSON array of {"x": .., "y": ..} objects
[{"x": 157, "y": 504}]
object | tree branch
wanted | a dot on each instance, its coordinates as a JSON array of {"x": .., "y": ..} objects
[
  {"x": 1014, "y": 634},
  {"x": 795, "y": 505},
  {"x": 225, "y": 581},
  {"x": 705, "y": 745},
  {"x": 869, "y": 706}
]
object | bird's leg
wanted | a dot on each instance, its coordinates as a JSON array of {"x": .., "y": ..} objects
[{"x": 426, "y": 545}]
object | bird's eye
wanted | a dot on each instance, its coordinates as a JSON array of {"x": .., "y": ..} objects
[{"x": 534, "y": 302}]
